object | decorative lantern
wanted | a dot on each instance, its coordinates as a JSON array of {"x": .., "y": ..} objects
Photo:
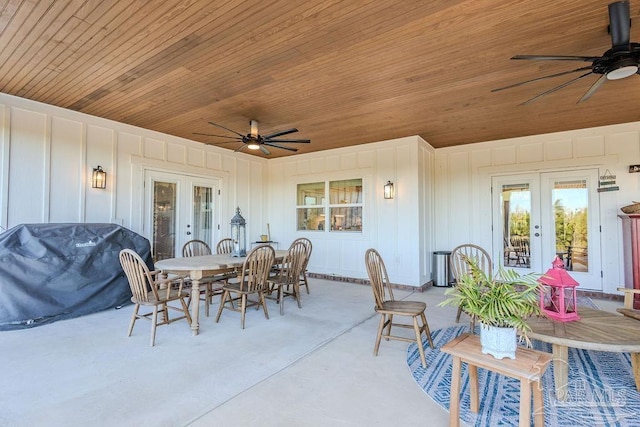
[
  {"x": 558, "y": 298},
  {"x": 238, "y": 233},
  {"x": 98, "y": 178}
]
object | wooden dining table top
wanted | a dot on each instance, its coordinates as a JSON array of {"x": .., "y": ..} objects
[{"x": 206, "y": 262}]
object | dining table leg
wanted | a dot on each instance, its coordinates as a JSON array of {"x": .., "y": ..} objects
[
  {"x": 561, "y": 371},
  {"x": 195, "y": 301}
]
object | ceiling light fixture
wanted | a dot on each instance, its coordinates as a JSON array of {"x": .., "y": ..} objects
[{"x": 622, "y": 72}]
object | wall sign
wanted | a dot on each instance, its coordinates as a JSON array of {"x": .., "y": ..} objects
[{"x": 607, "y": 182}]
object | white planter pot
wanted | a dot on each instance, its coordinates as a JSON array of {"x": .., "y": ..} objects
[{"x": 498, "y": 342}]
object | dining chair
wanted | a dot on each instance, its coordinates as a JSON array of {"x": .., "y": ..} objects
[
  {"x": 388, "y": 307},
  {"x": 198, "y": 248},
  {"x": 225, "y": 246},
  {"x": 460, "y": 266},
  {"x": 287, "y": 281},
  {"x": 148, "y": 288},
  {"x": 252, "y": 280},
  {"x": 303, "y": 273}
]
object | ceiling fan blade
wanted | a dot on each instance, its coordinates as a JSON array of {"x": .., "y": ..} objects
[
  {"x": 218, "y": 136},
  {"x": 594, "y": 87},
  {"x": 280, "y": 146},
  {"x": 240, "y": 148},
  {"x": 284, "y": 132},
  {"x": 264, "y": 150},
  {"x": 300, "y": 141},
  {"x": 565, "y": 84},
  {"x": 232, "y": 131},
  {"x": 221, "y": 142},
  {"x": 541, "y": 78},
  {"x": 556, "y": 58},
  {"x": 619, "y": 23}
]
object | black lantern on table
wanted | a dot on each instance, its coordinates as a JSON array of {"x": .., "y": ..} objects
[{"x": 238, "y": 235}]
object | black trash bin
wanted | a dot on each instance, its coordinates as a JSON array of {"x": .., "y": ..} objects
[{"x": 441, "y": 269}]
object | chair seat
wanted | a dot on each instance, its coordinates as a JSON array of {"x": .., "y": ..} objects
[
  {"x": 629, "y": 312},
  {"x": 410, "y": 308},
  {"x": 235, "y": 287}
]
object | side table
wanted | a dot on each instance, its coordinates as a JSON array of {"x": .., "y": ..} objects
[{"x": 528, "y": 367}]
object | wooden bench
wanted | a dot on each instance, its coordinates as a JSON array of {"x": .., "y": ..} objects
[
  {"x": 628, "y": 309},
  {"x": 528, "y": 367}
]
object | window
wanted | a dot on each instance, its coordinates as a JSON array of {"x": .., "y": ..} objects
[{"x": 344, "y": 207}]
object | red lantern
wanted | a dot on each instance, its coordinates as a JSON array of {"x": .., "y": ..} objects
[{"x": 558, "y": 298}]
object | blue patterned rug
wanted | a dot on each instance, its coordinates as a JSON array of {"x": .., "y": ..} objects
[{"x": 601, "y": 387}]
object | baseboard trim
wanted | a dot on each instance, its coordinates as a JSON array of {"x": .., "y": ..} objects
[{"x": 429, "y": 284}]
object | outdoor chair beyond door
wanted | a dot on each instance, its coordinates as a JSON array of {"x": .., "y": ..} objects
[
  {"x": 460, "y": 266},
  {"x": 286, "y": 282},
  {"x": 387, "y": 307},
  {"x": 252, "y": 281},
  {"x": 149, "y": 289},
  {"x": 225, "y": 246}
]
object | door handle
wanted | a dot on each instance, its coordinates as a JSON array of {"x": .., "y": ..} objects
[
  {"x": 188, "y": 233},
  {"x": 537, "y": 234}
]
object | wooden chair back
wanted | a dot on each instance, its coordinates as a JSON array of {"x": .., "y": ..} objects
[
  {"x": 308, "y": 248},
  {"x": 294, "y": 262},
  {"x": 256, "y": 268},
  {"x": 459, "y": 256},
  {"x": 143, "y": 287},
  {"x": 195, "y": 248},
  {"x": 378, "y": 277},
  {"x": 225, "y": 246}
]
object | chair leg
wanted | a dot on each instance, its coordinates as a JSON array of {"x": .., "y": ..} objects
[
  {"x": 207, "y": 298},
  {"x": 296, "y": 293},
  {"x": 133, "y": 319},
  {"x": 243, "y": 309},
  {"x": 379, "y": 335},
  {"x": 185, "y": 308},
  {"x": 306, "y": 283},
  {"x": 281, "y": 299},
  {"x": 154, "y": 323},
  {"x": 418, "y": 331},
  {"x": 425, "y": 325},
  {"x": 223, "y": 300},
  {"x": 389, "y": 323},
  {"x": 263, "y": 302}
]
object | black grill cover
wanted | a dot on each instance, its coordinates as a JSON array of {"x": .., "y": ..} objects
[{"x": 51, "y": 272}]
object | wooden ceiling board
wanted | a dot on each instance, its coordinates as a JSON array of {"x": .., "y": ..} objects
[{"x": 343, "y": 73}]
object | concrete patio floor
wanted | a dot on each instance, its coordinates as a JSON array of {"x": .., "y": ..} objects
[{"x": 311, "y": 367}]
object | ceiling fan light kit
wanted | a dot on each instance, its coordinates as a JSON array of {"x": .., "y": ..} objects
[
  {"x": 619, "y": 62},
  {"x": 254, "y": 141}
]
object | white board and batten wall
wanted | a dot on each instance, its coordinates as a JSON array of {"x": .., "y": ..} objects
[
  {"x": 464, "y": 175},
  {"x": 47, "y": 155},
  {"x": 442, "y": 196}
]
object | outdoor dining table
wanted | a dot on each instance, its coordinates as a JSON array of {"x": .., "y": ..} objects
[{"x": 199, "y": 267}]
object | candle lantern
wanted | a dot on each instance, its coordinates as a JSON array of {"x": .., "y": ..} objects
[
  {"x": 558, "y": 298},
  {"x": 238, "y": 235}
]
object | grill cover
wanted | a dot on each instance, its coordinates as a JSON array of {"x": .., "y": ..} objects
[{"x": 51, "y": 272}]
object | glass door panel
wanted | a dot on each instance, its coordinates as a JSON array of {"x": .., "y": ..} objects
[
  {"x": 179, "y": 208},
  {"x": 164, "y": 213}
]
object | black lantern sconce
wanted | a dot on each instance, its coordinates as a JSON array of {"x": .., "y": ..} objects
[
  {"x": 388, "y": 190},
  {"x": 99, "y": 178},
  {"x": 238, "y": 235}
]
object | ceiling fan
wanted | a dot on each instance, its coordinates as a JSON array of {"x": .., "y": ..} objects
[
  {"x": 254, "y": 141},
  {"x": 619, "y": 62}
]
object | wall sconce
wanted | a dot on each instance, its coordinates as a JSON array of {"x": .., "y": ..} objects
[
  {"x": 99, "y": 178},
  {"x": 388, "y": 190}
]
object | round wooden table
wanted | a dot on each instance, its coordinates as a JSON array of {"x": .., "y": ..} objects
[{"x": 596, "y": 330}]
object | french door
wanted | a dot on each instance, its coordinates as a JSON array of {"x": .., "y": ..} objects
[
  {"x": 539, "y": 216},
  {"x": 178, "y": 208}
]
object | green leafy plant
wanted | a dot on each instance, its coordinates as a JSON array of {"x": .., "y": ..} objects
[{"x": 504, "y": 300}]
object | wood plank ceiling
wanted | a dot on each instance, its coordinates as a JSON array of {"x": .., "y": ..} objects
[{"x": 342, "y": 72}]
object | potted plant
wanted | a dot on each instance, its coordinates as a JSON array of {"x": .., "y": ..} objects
[{"x": 501, "y": 304}]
